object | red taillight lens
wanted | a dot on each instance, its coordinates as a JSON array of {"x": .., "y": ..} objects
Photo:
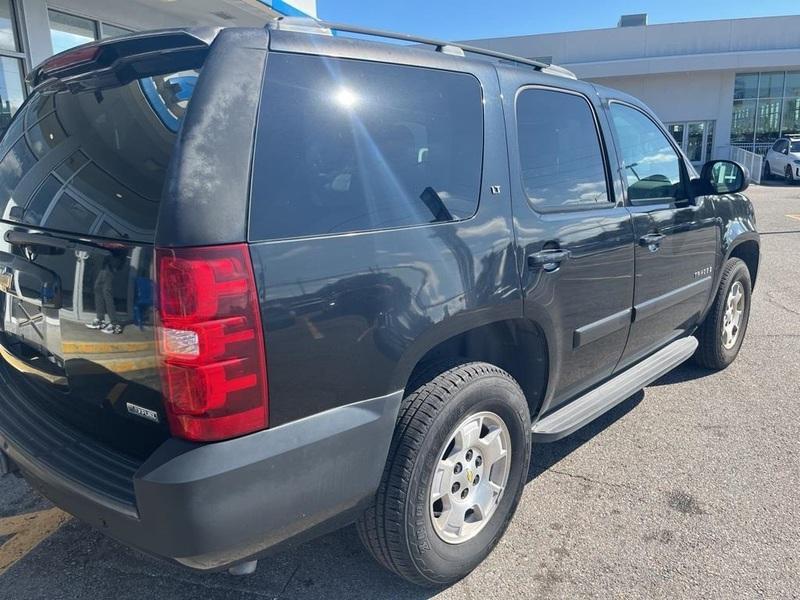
[{"x": 211, "y": 344}]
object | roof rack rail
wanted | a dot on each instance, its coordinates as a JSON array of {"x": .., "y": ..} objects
[{"x": 311, "y": 25}]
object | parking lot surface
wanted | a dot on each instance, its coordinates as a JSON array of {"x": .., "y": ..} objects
[{"x": 689, "y": 489}]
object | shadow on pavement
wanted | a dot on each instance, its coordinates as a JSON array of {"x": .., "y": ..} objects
[
  {"x": 546, "y": 455},
  {"x": 779, "y": 183},
  {"x": 78, "y": 562},
  {"x": 688, "y": 371}
]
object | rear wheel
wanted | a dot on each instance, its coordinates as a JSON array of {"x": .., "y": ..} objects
[
  {"x": 723, "y": 330},
  {"x": 456, "y": 469}
]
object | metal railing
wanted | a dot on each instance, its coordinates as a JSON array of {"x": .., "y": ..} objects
[
  {"x": 759, "y": 148},
  {"x": 752, "y": 161}
]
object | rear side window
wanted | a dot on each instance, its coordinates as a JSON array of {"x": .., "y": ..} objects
[
  {"x": 561, "y": 159},
  {"x": 347, "y": 146},
  {"x": 94, "y": 162}
]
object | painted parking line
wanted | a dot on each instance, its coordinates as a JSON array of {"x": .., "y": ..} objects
[
  {"x": 796, "y": 217},
  {"x": 76, "y": 347},
  {"x": 27, "y": 531},
  {"x": 115, "y": 365}
]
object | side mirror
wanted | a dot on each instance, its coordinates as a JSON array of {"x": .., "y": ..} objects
[{"x": 723, "y": 177}]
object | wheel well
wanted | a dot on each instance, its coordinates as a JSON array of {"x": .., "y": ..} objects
[
  {"x": 517, "y": 346},
  {"x": 748, "y": 252}
]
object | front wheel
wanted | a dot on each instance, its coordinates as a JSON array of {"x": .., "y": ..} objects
[
  {"x": 767, "y": 172},
  {"x": 789, "y": 174},
  {"x": 722, "y": 333},
  {"x": 455, "y": 473}
]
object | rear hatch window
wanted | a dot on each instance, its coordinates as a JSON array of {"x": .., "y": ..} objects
[
  {"x": 81, "y": 179},
  {"x": 94, "y": 163}
]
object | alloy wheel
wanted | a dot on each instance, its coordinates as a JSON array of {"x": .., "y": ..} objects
[
  {"x": 734, "y": 315},
  {"x": 470, "y": 477}
]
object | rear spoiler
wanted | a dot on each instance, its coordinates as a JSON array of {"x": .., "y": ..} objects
[{"x": 121, "y": 60}]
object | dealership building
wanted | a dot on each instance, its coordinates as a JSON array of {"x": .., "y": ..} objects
[
  {"x": 716, "y": 84},
  {"x": 33, "y": 30}
]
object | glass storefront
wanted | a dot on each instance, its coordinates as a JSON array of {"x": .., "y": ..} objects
[
  {"x": 696, "y": 139},
  {"x": 12, "y": 90},
  {"x": 766, "y": 106}
]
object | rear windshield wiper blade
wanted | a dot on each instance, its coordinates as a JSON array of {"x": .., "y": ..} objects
[{"x": 21, "y": 238}]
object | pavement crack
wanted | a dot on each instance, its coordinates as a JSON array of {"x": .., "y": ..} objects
[
  {"x": 288, "y": 581},
  {"x": 587, "y": 479},
  {"x": 775, "y": 335},
  {"x": 775, "y": 302}
]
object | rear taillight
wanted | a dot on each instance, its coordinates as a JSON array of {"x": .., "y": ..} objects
[{"x": 211, "y": 344}]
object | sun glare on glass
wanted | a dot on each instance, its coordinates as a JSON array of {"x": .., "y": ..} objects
[{"x": 346, "y": 98}]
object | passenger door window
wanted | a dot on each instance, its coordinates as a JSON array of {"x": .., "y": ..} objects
[
  {"x": 348, "y": 146},
  {"x": 651, "y": 165},
  {"x": 561, "y": 157}
]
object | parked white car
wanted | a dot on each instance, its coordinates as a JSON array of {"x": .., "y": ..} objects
[{"x": 783, "y": 159}]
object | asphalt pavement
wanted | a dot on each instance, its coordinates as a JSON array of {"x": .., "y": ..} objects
[{"x": 689, "y": 489}]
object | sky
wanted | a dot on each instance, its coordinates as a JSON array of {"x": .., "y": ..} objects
[{"x": 470, "y": 19}]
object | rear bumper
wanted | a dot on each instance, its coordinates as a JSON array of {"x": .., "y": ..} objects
[{"x": 210, "y": 506}]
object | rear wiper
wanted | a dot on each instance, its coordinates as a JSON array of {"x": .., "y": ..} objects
[{"x": 20, "y": 238}]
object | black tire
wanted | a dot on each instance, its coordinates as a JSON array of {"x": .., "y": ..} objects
[
  {"x": 789, "y": 175},
  {"x": 397, "y": 529},
  {"x": 767, "y": 172},
  {"x": 711, "y": 353}
]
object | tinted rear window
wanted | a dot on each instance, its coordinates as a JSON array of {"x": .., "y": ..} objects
[
  {"x": 561, "y": 158},
  {"x": 347, "y": 145},
  {"x": 93, "y": 163}
]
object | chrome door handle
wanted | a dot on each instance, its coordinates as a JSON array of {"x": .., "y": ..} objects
[
  {"x": 548, "y": 259},
  {"x": 652, "y": 241}
]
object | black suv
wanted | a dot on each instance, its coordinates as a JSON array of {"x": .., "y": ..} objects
[{"x": 259, "y": 284}]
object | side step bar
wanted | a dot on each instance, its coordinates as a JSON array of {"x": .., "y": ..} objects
[{"x": 591, "y": 405}]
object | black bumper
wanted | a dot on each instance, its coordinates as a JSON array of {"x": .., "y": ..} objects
[{"x": 210, "y": 506}]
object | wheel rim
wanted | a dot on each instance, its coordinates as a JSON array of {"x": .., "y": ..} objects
[
  {"x": 734, "y": 315},
  {"x": 470, "y": 477}
]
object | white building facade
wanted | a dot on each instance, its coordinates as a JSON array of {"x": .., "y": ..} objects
[
  {"x": 714, "y": 83},
  {"x": 33, "y": 30}
]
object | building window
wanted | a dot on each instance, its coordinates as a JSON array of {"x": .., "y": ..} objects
[
  {"x": 766, "y": 106},
  {"x": 110, "y": 31},
  {"x": 12, "y": 88},
  {"x": 68, "y": 31},
  {"x": 8, "y": 34}
]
